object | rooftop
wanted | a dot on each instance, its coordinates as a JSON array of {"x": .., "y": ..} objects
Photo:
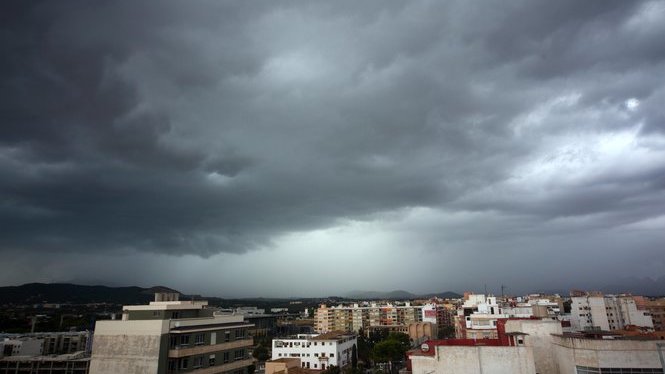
[{"x": 333, "y": 335}]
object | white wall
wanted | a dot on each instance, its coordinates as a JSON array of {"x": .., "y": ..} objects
[
  {"x": 475, "y": 360},
  {"x": 539, "y": 338},
  {"x": 607, "y": 353},
  {"x": 306, "y": 350}
]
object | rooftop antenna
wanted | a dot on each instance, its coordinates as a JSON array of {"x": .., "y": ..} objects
[{"x": 485, "y": 289}]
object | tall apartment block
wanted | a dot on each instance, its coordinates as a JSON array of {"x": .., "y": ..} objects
[
  {"x": 595, "y": 311},
  {"x": 169, "y": 336},
  {"x": 354, "y": 317}
]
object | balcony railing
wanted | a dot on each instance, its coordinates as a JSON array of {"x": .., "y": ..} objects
[
  {"x": 235, "y": 365},
  {"x": 204, "y": 349}
]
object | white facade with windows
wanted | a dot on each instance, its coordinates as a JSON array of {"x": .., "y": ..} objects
[
  {"x": 609, "y": 312},
  {"x": 317, "y": 352}
]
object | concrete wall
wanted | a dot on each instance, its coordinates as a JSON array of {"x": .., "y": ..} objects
[
  {"x": 539, "y": 338},
  {"x": 606, "y": 353},
  {"x": 475, "y": 360},
  {"x": 132, "y": 347}
]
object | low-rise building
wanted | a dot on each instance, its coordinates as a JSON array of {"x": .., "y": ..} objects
[{"x": 317, "y": 351}]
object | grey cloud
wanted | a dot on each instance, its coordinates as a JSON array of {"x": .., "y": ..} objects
[{"x": 212, "y": 127}]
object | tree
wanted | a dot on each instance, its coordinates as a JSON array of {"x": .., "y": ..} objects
[
  {"x": 392, "y": 348},
  {"x": 354, "y": 357},
  {"x": 332, "y": 370},
  {"x": 261, "y": 353},
  {"x": 364, "y": 347}
]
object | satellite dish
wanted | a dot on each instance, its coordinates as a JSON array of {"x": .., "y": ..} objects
[{"x": 424, "y": 347}]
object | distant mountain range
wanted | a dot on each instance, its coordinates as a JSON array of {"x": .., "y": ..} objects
[
  {"x": 37, "y": 293},
  {"x": 399, "y": 295}
]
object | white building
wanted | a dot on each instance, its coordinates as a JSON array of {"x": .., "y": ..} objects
[
  {"x": 575, "y": 354},
  {"x": 316, "y": 351},
  {"x": 455, "y": 359},
  {"x": 593, "y": 311}
]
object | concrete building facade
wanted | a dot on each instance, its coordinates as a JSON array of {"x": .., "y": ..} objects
[
  {"x": 578, "y": 354},
  {"x": 172, "y": 336},
  {"x": 468, "y": 357}
]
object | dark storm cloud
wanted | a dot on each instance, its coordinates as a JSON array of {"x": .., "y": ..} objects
[{"x": 207, "y": 127}]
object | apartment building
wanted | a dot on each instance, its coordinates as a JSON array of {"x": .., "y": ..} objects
[
  {"x": 654, "y": 308},
  {"x": 477, "y": 317},
  {"x": 354, "y": 317},
  {"x": 169, "y": 336},
  {"x": 595, "y": 311},
  {"x": 316, "y": 351}
]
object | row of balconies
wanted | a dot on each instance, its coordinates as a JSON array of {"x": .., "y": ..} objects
[
  {"x": 235, "y": 365},
  {"x": 205, "y": 349}
]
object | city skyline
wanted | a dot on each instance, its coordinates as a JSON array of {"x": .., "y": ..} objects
[{"x": 309, "y": 149}]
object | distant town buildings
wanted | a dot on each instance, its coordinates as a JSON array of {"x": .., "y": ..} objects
[
  {"x": 370, "y": 317},
  {"x": 45, "y": 353},
  {"x": 171, "y": 336}
]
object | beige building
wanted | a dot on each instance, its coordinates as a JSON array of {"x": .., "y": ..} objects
[
  {"x": 655, "y": 308},
  {"x": 538, "y": 335},
  {"x": 420, "y": 331},
  {"x": 282, "y": 365},
  {"x": 356, "y": 316},
  {"x": 171, "y": 337}
]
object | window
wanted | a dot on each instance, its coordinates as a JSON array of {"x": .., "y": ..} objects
[
  {"x": 240, "y": 333},
  {"x": 199, "y": 339},
  {"x": 227, "y": 336},
  {"x": 184, "y": 339},
  {"x": 184, "y": 363},
  {"x": 197, "y": 362},
  {"x": 173, "y": 364},
  {"x": 211, "y": 360},
  {"x": 332, "y": 355},
  {"x": 226, "y": 357},
  {"x": 239, "y": 354}
]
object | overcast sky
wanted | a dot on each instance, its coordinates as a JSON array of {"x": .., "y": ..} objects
[{"x": 315, "y": 148}]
